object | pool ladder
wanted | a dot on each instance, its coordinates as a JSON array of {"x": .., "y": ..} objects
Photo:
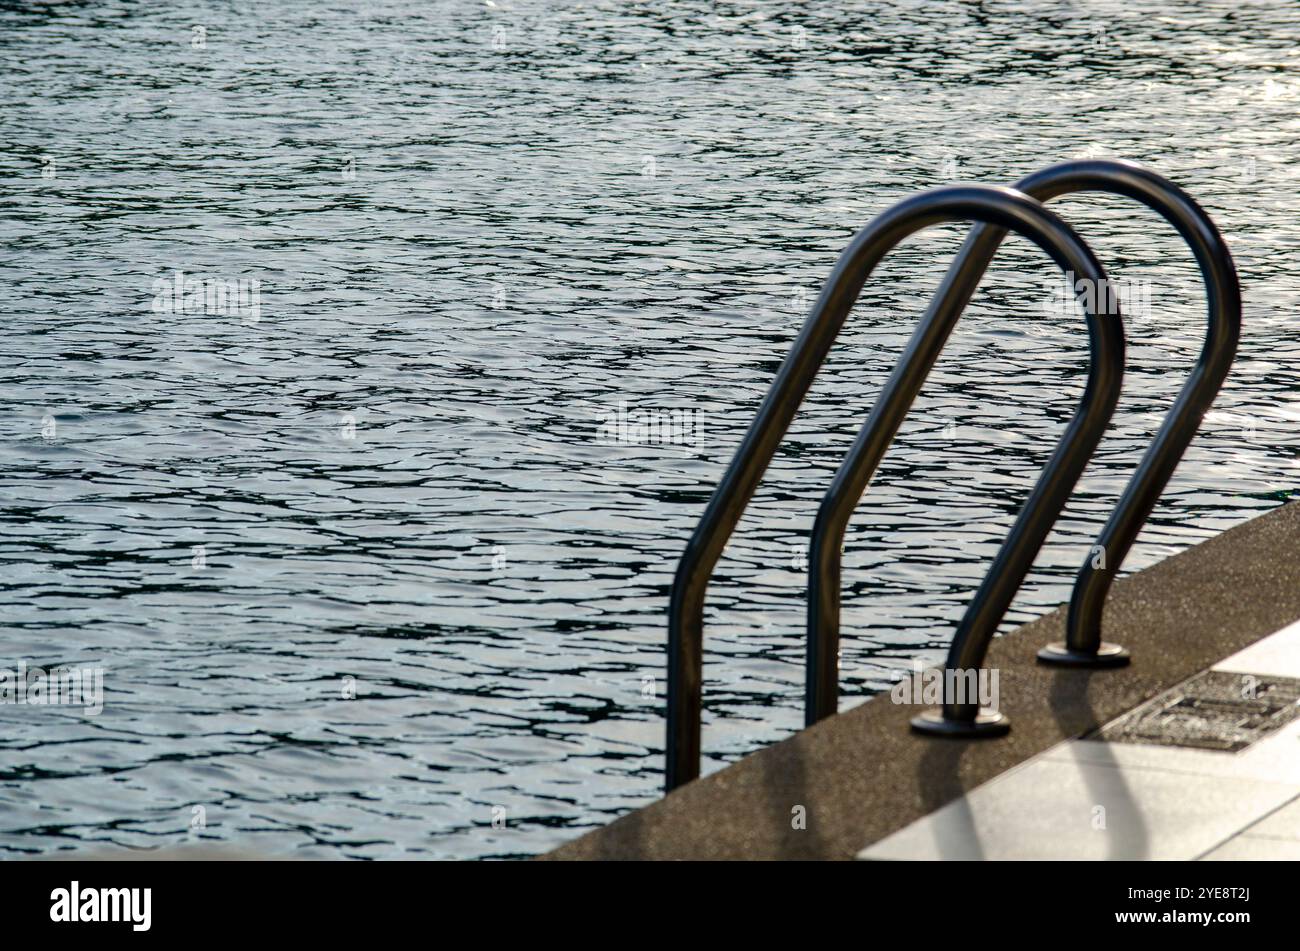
[{"x": 995, "y": 211}]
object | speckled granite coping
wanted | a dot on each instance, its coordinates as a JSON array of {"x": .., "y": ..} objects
[{"x": 863, "y": 775}]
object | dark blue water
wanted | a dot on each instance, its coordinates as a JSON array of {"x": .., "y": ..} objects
[{"x": 364, "y": 573}]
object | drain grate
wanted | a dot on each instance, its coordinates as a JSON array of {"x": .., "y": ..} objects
[{"x": 1215, "y": 710}]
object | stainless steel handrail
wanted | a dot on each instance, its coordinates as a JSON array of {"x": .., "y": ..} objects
[
  {"x": 1003, "y": 208},
  {"x": 1083, "y": 645}
]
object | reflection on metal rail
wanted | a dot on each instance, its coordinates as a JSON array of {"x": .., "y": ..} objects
[
  {"x": 1003, "y": 208},
  {"x": 1083, "y": 645}
]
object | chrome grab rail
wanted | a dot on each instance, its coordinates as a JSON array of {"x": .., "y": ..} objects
[
  {"x": 1004, "y": 208},
  {"x": 1083, "y": 645}
]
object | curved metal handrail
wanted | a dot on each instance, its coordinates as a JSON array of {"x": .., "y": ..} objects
[
  {"x": 1083, "y": 646},
  {"x": 1002, "y": 207}
]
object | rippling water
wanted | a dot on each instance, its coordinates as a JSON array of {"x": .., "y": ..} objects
[{"x": 476, "y": 228}]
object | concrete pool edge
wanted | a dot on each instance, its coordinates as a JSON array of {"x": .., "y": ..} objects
[{"x": 862, "y": 775}]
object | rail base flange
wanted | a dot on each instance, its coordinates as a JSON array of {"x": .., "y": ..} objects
[
  {"x": 989, "y": 723},
  {"x": 1107, "y": 655}
]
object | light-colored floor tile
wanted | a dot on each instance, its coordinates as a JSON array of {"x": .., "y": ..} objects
[
  {"x": 1090, "y": 800},
  {"x": 1282, "y": 824},
  {"x": 1053, "y": 808},
  {"x": 1278, "y": 654},
  {"x": 1250, "y": 848},
  {"x": 1275, "y": 758}
]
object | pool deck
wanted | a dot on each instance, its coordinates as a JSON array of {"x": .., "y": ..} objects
[{"x": 1202, "y": 767}]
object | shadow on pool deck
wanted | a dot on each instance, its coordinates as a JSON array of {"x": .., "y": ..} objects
[{"x": 862, "y": 774}]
